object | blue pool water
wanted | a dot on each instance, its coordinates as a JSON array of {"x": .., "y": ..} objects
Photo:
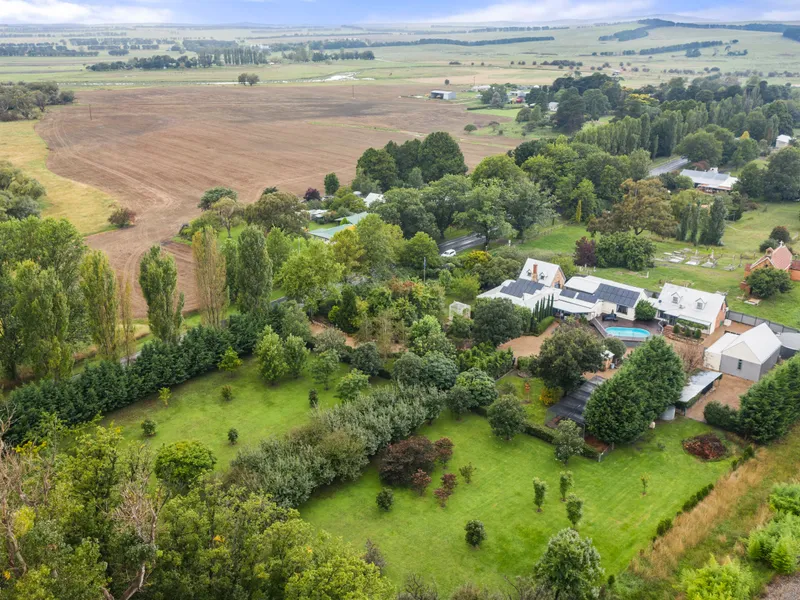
[{"x": 628, "y": 332}]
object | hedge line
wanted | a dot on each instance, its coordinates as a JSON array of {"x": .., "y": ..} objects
[
  {"x": 110, "y": 385},
  {"x": 768, "y": 409}
]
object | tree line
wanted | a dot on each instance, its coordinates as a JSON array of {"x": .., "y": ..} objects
[{"x": 23, "y": 101}]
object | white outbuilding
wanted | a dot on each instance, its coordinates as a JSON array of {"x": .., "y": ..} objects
[{"x": 749, "y": 355}]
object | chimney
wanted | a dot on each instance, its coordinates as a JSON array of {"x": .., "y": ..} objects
[{"x": 535, "y": 276}]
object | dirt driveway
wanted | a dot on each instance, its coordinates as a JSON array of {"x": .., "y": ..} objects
[
  {"x": 727, "y": 393},
  {"x": 529, "y": 345},
  {"x": 157, "y": 149}
]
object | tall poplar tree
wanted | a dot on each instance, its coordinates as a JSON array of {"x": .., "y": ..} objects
[
  {"x": 253, "y": 271},
  {"x": 158, "y": 278},
  {"x": 99, "y": 286},
  {"x": 211, "y": 278}
]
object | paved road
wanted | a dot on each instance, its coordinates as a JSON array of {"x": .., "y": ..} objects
[
  {"x": 465, "y": 242},
  {"x": 672, "y": 165}
]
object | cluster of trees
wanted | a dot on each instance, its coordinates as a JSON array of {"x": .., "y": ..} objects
[
  {"x": 248, "y": 79},
  {"x": 767, "y": 410},
  {"x": 20, "y": 194},
  {"x": 163, "y": 61},
  {"x": 41, "y": 49},
  {"x": 622, "y": 408},
  {"x": 778, "y": 182},
  {"x": 20, "y": 101},
  {"x": 94, "y": 519}
]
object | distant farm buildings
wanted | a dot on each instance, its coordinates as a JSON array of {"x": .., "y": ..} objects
[
  {"x": 711, "y": 180},
  {"x": 443, "y": 95},
  {"x": 782, "y": 141}
]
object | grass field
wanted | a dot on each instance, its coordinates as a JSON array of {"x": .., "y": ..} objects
[
  {"x": 85, "y": 206},
  {"x": 196, "y": 410},
  {"x": 616, "y": 515},
  {"x": 741, "y": 241}
]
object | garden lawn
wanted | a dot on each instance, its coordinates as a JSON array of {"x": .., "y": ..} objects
[
  {"x": 537, "y": 412},
  {"x": 417, "y": 536},
  {"x": 196, "y": 411}
]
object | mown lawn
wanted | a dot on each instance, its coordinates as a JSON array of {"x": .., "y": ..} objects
[
  {"x": 530, "y": 399},
  {"x": 196, "y": 410},
  {"x": 616, "y": 515}
]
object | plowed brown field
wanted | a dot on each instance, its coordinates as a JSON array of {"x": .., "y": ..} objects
[{"x": 157, "y": 149}]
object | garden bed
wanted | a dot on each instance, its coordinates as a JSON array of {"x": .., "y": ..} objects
[{"x": 706, "y": 446}]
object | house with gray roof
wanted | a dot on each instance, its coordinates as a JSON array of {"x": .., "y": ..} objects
[
  {"x": 749, "y": 355},
  {"x": 711, "y": 180}
]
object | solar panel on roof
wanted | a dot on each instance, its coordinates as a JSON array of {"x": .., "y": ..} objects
[{"x": 522, "y": 286}]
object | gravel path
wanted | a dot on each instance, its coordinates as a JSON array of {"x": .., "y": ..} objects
[{"x": 783, "y": 588}]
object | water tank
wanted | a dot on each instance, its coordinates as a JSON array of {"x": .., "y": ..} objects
[{"x": 669, "y": 414}]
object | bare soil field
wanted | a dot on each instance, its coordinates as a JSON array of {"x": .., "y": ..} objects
[{"x": 156, "y": 150}]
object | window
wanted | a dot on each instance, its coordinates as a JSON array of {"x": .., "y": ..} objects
[
  {"x": 700, "y": 305},
  {"x": 739, "y": 365},
  {"x": 623, "y": 310},
  {"x": 675, "y": 298}
]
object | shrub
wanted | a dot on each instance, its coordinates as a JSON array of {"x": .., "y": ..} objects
[
  {"x": 366, "y": 359},
  {"x": 479, "y": 386},
  {"x": 226, "y": 393},
  {"x": 148, "y": 428},
  {"x": 449, "y": 482},
  {"x": 420, "y": 481},
  {"x": 776, "y": 543},
  {"x": 373, "y": 556},
  {"x": 644, "y": 311},
  {"x": 122, "y": 217},
  {"x": 233, "y": 436},
  {"x": 565, "y": 483},
  {"x": 385, "y": 499},
  {"x": 444, "y": 450},
  {"x": 664, "y": 525},
  {"x": 441, "y": 495},
  {"x": 697, "y": 498},
  {"x": 180, "y": 465},
  {"x": 729, "y": 580},
  {"x": 351, "y": 385},
  {"x": 766, "y": 282},
  {"x": 541, "y": 326},
  {"x": 549, "y": 396},
  {"x": 721, "y": 416},
  {"x": 404, "y": 458},
  {"x": 568, "y": 440},
  {"x": 230, "y": 361},
  {"x": 466, "y": 472},
  {"x": 781, "y": 234},
  {"x": 475, "y": 533},
  {"x": 785, "y": 497},
  {"x": 313, "y": 398}
]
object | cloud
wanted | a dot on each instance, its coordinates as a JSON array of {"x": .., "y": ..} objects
[
  {"x": 551, "y": 10},
  {"x": 60, "y": 11},
  {"x": 769, "y": 10}
]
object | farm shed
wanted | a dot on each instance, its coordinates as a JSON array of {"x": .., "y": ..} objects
[
  {"x": 443, "y": 95},
  {"x": 749, "y": 355},
  {"x": 790, "y": 344},
  {"x": 573, "y": 405},
  {"x": 698, "y": 386}
]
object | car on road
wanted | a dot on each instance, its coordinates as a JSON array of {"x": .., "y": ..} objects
[{"x": 449, "y": 253}]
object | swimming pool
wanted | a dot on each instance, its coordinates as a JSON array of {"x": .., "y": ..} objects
[{"x": 628, "y": 332}]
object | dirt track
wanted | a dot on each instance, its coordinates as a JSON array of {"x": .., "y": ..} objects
[{"x": 157, "y": 150}]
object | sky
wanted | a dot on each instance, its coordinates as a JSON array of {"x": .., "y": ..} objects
[{"x": 339, "y": 12}]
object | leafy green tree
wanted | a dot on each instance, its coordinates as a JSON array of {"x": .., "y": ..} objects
[
  {"x": 499, "y": 168},
  {"x": 293, "y": 320},
  {"x": 438, "y": 371},
  {"x": 639, "y": 164},
  {"x": 309, "y": 274},
  {"x": 526, "y": 204},
  {"x": 624, "y": 250},
  {"x": 565, "y": 483},
  {"x": 714, "y": 227},
  {"x": 574, "y": 510},
  {"x": 565, "y": 356},
  {"x": 279, "y": 247},
  {"x": 645, "y": 207},
  {"x": 495, "y": 321},
  {"x": 420, "y": 253},
  {"x": 325, "y": 366},
  {"x": 403, "y": 207},
  {"x": 380, "y": 166},
  {"x": 782, "y": 179},
  {"x": 148, "y": 428},
  {"x": 381, "y": 243},
  {"x": 616, "y": 411},
  {"x": 780, "y": 233},
  {"x": 99, "y": 287},
  {"x": 751, "y": 180},
  {"x": 476, "y": 533},
  {"x": 459, "y": 400},
  {"x": 661, "y": 376},
  {"x": 351, "y": 385},
  {"x": 269, "y": 353},
  {"x": 766, "y": 282},
  {"x": 426, "y": 336},
  {"x": 440, "y": 155},
  {"x": 253, "y": 272},
  {"x": 539, "y": 492},
  {"x": 484, "y": 213},
  {"x": 233, "y": 436},
  {"x": 597, "y": 103},
  {"x": 347, "y": 250},
  {"x": 227, "y": 211},
  {"x": 340, "y": 577},
  {"x": 568, "y": 440},
  {"x": 570, "y": 567},
  {"x": 479, "y": 385},
  {"x": 444, "y": 198},
  {"x": 181, "y": 465},
  {"x": 278, "y": 209},
  {"x": 730, "y": 580},
  {"x": 407, "y": 368},
  {"x": 583, "y": 202},
  {"x": 158, "y": 278},
  {"x": 295, "y": 354},
  {"x": 569, "y": 115},
  {"x": 215, "y": 194},
  {"x": 746, "y": 150},
  {"x": 366, "y": 359},
  {"x": 701, "y": 146},
  {"x": 331, "y": 184},
  {"x": 644, "y": 311},
  {"x": 507, "y": 417}
]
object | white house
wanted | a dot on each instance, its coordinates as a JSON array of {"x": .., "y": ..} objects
[
  {"x": 782, "y": 141},
  {"x": 521, "y": 292},
  {"x": 607, "y": 297},
  {"x": 372, "y": 198},
  {"x": 552, "y": 106},
  {"x": 546, "y": 273},
  {"x": 749, "y": 355},
  {"x": 704, "y": 309},
  {"x": 711, "y": 180}
]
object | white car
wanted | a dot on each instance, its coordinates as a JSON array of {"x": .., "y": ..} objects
[{"x": 449, "y": 253}]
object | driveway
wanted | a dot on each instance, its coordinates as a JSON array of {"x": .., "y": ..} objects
[
  {"x": 529, "y": 345},
  {"x": 726, "y": 393}
]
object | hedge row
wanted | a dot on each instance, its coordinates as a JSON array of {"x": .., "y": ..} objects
[
  {"x": 767, "y": 410},
  {"x": 336, "y": 445},
  {"x": 110, "y": 385}
]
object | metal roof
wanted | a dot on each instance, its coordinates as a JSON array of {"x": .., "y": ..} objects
[
  {"x": 699, "y": 383},
  {"x": 573, "y": 405}
]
